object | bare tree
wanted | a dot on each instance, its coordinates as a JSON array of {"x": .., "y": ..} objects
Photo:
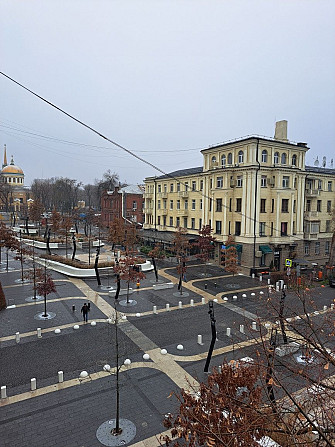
[{"x": 180, "y": 248}]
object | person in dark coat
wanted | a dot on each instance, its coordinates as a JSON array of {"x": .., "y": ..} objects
[{"x": 84, "y": 310}]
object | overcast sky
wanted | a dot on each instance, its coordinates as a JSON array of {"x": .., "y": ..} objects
[{"x": 162, "y": 78}]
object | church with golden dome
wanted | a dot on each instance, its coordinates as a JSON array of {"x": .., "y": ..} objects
[{"x": 14, "y": 196}]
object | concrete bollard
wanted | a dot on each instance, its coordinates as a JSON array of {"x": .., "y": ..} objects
[
  {"x": 203, "y": 300},
  {"x": 242, "y": 328},
  {"x": 60, "y": 376},
  {"x": 205, "y": 286},
  {"x": 192, "y": 302},
  {"x": 269, "y": 281},
  {"x": 154, "y": 309},
  {"x": 167, "y": 306},
  {"x": 228, "y": 332},
  {"x": 234, "y": 297},
  {"x": 254, "y": 326},
  {"x": 199, "y": 340},
  {"x": 3, "y": 392},
  {"x": 253, "y": 275},
  {"x": 219, "y": 369},
  {"x": 324, "y": 307},
  {"x": 332, "y": 306},
  {"x": 17, "y": 337},
  {"x": 260, "y": 278},
  {"x": 180, "y": 304},
  {"x": 33, "y": 384},
  {"x": 39, "y": 332}
]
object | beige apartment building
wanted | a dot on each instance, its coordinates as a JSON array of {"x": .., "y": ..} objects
[{"x": 255, "y": 188}]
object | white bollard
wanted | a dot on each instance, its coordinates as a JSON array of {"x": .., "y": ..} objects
[
  {"x": 154, "y": 309},
  {"x": 167, "y": 306},
  {"x": 200, "y": 340},
  {"x": 242, "y": 328},
  {"x": 324, "y": 307},
  {"x": 17, "y": 337},
  {"x": 203, "y": 300},
  {"x": 253, "y": 275},
  {"x": 228, "y": 332},
  {"x": 192, "y": 302},
  {"x": 260, "y": 278},
  {"x": 39, "y": 332},
  {"x": 219, "y": 369},
  {"x": 60, "y": 376},
  {"x": 180, "y": 304},
  {"x": 332, "y": 306},
  {"x": 269, "y": 281},
  {"x": 254, "y": 325},
  {"x": 3, "y": 392},
  {"x": 234, "y": 297},
  {"x": 33, "y": 384}
]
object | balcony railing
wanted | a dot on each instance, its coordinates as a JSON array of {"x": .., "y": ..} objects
[
  {"x": 182, "y": 212},
  {"x": 162, "y": 195},
  {"x": 147, "y": 210},
  {"x": 312, "y": 192},
  {"x": 311, "y": 215},
  {"x": 311, "y": 236},
  {"x": 183, "y": 193},
  {"x": 148, "y": 195}
]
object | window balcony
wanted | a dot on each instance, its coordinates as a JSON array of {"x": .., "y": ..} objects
[
  {"x": 163, "y": 212},
  {"x": 311, "y": 215},
  {"x": 147, "y": 210},
  {"x": 182, "y": 212},
  {"x": 311, "y": 236},
  {"x": 162, "y": 195},
  {"x": 312, "y": 192},
  {"x": 148, "y": 195},
  {"x": 183, "y": 194}
]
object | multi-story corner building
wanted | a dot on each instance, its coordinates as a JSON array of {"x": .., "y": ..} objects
[
  {"x": 255, "y": 188},
  {"x": 126, "y": 203}
]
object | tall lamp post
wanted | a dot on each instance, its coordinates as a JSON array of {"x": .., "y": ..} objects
[
  {"x": 211, "y": 347},
  {"x": 73, "y": 232}
]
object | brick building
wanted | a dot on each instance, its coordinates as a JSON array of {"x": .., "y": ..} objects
[{"x": 126, "y": 203}]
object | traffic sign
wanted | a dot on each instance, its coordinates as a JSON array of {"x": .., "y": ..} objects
[{"x": 288, "y": 262}]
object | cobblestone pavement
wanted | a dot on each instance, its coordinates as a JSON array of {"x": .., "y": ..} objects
[{"x": 68, "y": 414}]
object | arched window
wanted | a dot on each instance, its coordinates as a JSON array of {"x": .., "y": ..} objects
[
  {"x": 230, "y": 158},
  {"x": 283, "y": 158},
  {"x": 240, "y": 157},
  {"x": 276, "y": 158},
  {"x": 223, "y": 161},
  {"x": 213, "y": 159},
  {"x": 264, "y": 156},
  {"x": 294, "y": 160}
]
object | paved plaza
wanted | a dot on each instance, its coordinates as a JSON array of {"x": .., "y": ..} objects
[{"x": 68, "y": 414}]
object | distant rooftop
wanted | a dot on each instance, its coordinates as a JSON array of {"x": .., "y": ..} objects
[
  {"x": 130, "y": 189},
  {"x": 182, "y": 172},
  {"x": 320, "y": 170},
  {"x": 261, "y": 137}
]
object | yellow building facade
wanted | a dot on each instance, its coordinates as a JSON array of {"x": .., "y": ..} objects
[{"x": 257, "y": 189}]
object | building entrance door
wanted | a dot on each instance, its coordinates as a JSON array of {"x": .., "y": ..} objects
[{"x": 276, "y": 259}]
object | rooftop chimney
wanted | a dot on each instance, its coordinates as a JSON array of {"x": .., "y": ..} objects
[{"x": 281, "y": 130}]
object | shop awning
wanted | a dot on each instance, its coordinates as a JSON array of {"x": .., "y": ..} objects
[
  {"x": 239, "y": 248},
  {"x": 265, "y": 249}
]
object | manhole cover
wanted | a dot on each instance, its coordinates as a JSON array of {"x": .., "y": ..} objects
[{"x": 106, "y": 437}]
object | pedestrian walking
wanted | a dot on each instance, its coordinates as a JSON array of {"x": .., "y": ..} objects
[{"x": 84, "y": 310}]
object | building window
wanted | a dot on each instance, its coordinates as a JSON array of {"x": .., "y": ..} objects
[
  {"x": 165, "y": 187},
  {"x": 159, "y": 220},
  {"x": 201, "y": 185},
  {"x": 272, "y": 205},
  {"x": 193, "y": 204},
  {"x": 201, "y": 204},
  {"x": 229, "y": 225},
  {"x": 286, "y": 181},
  {"x": 239, "y": 183},
  {"x": 213, "y": 160},
  {"x": 230, "y": 158},
  {"x": 186, "y": 204},
  {"x": 318, "y": 206},
  {"x": 178, "y": 187},
  {"x": 164, "y": 221},
  {"x": 284, "y": 206},
  {"x": 319, "y": 184},
  {"x": 294, "y": 205},
  {"x": 211, "y": 183},
  {"x": 171, "y": 204},
  {"x": 317, "y": 248},
  {"x": 283, "y": 158},
  {"x": 264, "y": 156},
  {"x": 308, "y": 205},
  {"x": 159, "y": 188},
  {"x": 178, "y": 222},
  {"x": 230, "y": 202},
  {"x": 328, "y": 226},
  {"x": 223, "y": 161},
  {"x": 171, "y": 187},
  {"x": 329, "y": 206},
  {"x": 186, "y": 186},
  {"x": 263, "y": 181},
  {"x": 171, "y": 221},
  {"x": 238, "y": 205},
  {"x": 294, "y": 160},
  {"x": 327, "y": 247},
  {"x": 283, "y": 229},
  {"x": 237, "y": 228},
  {"x": 219, "y": 182},
  {"x": 271, "y": 231},
  {"x": 134, "y": 205},
  {"x": 276, "y": 158},
  {"x": 193, "y": 223},
  {"x": 194, "y": 185},
  {"x": 306, "y": 249},
  {"x": 218, "y": 205},
  {"x": 263, "y": 206},
  {"x": 240, "y": 157},
  {"x": 262, "y": 228},
  {"x": 164, "y": 203},
  {"x": 178, "y": 204},
  {"x": 295, "y": 183},
  {"x": 218, "y": 224},
  {"x": 330, "y": 186},
  {"x": 294, "y": 231},
  {"x": 158, "y": 204},
  {"x": 200, "y": 224}
]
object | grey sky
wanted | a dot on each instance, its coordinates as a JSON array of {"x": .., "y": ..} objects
[{"x": 163, "y": 78}]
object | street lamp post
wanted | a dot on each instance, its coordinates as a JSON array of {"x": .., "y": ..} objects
[
  {"x": 211, "y": 347},
  {"x": 73, "y": 231}
]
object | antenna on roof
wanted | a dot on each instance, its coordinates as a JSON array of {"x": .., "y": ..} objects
[
  {"x": 316, "y": 163},
  {"x": 324, "y": 162}
]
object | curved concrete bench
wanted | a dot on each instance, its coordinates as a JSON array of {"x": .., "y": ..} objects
[
  {"x": 123, "y": 292},
  {"x": 165, "y": 285},
  {"x": 74, "y": 272},
  {"x": 146, "y": 267},
  {"x": 39, "y": 244}
]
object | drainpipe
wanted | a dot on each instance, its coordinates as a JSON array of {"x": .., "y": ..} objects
[{"x": 255, "y": 207}]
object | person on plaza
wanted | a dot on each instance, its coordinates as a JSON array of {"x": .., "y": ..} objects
[{"x": 84, "y": 310}]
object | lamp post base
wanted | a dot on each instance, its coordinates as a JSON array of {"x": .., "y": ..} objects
[{"x": 107, "y": 435}]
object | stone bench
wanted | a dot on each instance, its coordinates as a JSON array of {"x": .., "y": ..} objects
[
  {"x": 165, "y": 285},
  {"x": 146, "y": 267},
  {"x": 123, "y": 292}
]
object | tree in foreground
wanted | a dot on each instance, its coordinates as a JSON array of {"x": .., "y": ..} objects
[
  {"x": 231, "y": 259},
  {"x": 180, "y": 248},
  {"x": 44, "y": 286},
  {"x": 116, "y": 232},
  {"x": 205, "y": 244},
  {"x": 155, "y": 254},
  {"x": 128, "y": 270},
  {"x": 3, "y": 303}
]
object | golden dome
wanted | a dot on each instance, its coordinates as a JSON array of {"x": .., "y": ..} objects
[{"x": 12, "y": 169}]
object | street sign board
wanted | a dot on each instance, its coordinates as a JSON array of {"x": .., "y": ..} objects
[{"x": 288, "y": 262}]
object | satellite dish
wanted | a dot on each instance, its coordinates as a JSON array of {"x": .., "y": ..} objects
[
  {"x": 316, "y": 163},
  {"x": 324, "y": 162}
]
